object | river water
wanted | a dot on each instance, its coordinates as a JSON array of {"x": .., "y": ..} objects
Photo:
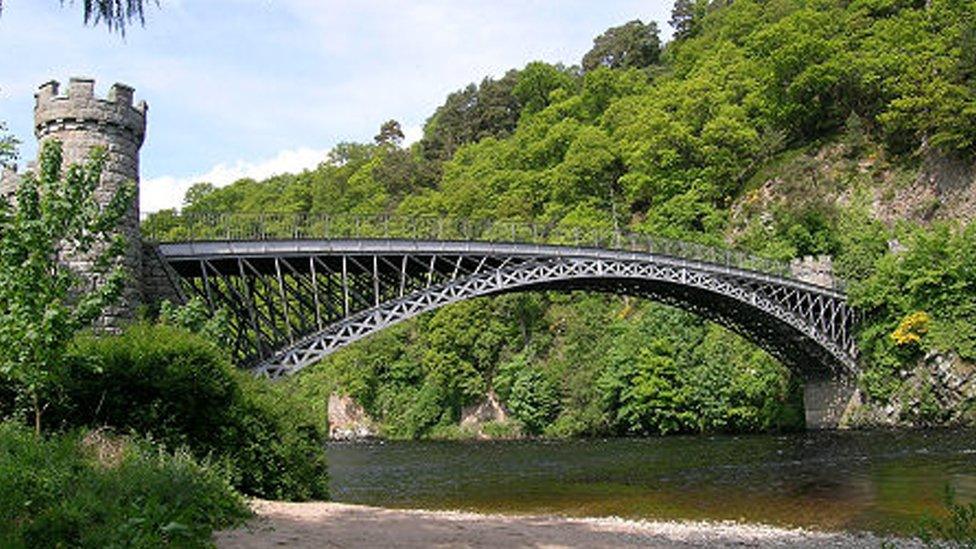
[{"x": 877, "y": 481}]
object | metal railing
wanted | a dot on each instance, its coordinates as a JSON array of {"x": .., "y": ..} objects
[{"x": 198, "y": 226}]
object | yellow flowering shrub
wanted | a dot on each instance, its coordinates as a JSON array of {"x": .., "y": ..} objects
[{"x": 911, "y": 329}]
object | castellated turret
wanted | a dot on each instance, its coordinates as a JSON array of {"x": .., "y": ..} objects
[{"x": 81, "y": 122}]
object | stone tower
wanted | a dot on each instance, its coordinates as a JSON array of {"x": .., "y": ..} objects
[{"x": 81, "y": 121}]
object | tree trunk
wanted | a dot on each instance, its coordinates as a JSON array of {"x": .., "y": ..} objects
[{"x": 37, "y": 415}]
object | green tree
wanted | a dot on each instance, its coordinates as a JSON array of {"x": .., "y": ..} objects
[
  {"x": 932, "y": 275},
  {"x": 685, "y": 17},
  {"x": 538, "y": 81},
  {"x": 776, "y": 126},
  {"x": 8, "y": 146},
  {"x": 489, "y": 109},
  {"x": 643, "y": 394},
  {"x": 196, "y": 317},
  {"x": 43, "y": 302},
  {"x": 862, "y": 241},
  {"x": 197, "y": 193},
  {"x": 163, "y": 225},
  {"x": 533, "y": 399},
  {"x": 391, "y": 135},
  {"x": 399, "y": 172},
  {"x": 930, "y": 99},
  {"x": 633, "y": 45},
  {"x": 812, "y": 77}
]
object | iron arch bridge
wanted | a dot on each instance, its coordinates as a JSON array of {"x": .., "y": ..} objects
[{"x": 300, "y": 287}]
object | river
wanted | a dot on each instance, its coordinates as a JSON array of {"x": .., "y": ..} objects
[{"x": 880, "y": 481}]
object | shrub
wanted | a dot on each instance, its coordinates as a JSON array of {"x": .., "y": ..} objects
[
  {"x": 179, "y": 389},
  {"x": 911, "y": 329},
  {"x": 534, "y": 400},
  {"x": 502, "y": 429},
  {"x": 956, "y": 529},
  {"x": 91, "y": 490}
]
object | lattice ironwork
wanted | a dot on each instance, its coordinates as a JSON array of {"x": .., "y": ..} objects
[{"x": 296, "y": 301}]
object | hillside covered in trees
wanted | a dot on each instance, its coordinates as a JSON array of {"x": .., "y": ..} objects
[{"x": 783, "y": 127}]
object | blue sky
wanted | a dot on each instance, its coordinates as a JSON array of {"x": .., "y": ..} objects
[{"x": 256, "y": 87}]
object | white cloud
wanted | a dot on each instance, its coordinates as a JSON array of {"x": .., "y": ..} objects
[
  {"x": 412, "y": 134},
  {"x": 160, "y": 193},
  {"x": 167, "y": 192}
]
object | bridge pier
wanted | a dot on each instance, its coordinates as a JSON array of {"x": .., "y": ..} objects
[{"x": 828, "y": 403}]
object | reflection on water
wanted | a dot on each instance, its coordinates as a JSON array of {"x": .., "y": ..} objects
[{"x": 880, "y": 481}]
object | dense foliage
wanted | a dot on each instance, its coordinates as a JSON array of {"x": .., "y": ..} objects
[
  {"x": 772, "y": 126},
  {"x": 920, "y": 300},
  {"x": 168, "y": 387},
  {"x": 565, "y": 365},
  {"x": 632, "y": 45},
  {"x": 43, "y": 301},
  {"x": 91, "y": 489},
  {"x": 180, "y": 389}
]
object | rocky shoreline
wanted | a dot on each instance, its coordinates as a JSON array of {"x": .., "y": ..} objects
[{"x": 327, "y": 524}]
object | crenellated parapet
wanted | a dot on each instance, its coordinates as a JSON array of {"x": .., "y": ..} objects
[
  {"x": 80, "y": 110},
  {"x": 817, "y": 270}
]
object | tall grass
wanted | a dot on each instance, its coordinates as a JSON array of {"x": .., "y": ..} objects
[{"x": 87, "y": 489}]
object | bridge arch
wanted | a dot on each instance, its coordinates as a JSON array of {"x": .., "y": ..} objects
[{"x": 295, "y": 302}]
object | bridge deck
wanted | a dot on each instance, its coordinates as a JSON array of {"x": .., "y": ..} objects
[{"x": 185, "y": 256}]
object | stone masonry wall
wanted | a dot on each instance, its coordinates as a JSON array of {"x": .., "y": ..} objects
[
  {"x": 158, "y": 278},
  {"x": 81, "y": 122},
  {"x": 817, "y": 270}
]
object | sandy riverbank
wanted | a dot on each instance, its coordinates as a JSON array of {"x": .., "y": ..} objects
[{"x": 325, "y": 524}]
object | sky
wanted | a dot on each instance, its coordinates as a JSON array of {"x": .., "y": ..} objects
[{"x": 252, "y": 88}]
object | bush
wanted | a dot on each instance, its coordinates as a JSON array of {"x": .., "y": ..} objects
[
  {"x": 956, "y": 529},
  {"x": 534, "y": 400},
  {"x": 179, "y": 389},
  {"x": 91, "y": 490},
  {"x": 509, "y": 429}
]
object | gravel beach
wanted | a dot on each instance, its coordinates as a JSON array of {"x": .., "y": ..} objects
[{"x": 326, "y": 524}]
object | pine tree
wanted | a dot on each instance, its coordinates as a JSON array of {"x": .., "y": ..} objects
[
  {"x": 114, "y": 14},
  {"x": 684, "y": 17}
]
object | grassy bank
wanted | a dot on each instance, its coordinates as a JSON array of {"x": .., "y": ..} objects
[
  {"x": 199, "y": 437},
  {"x": 181, "y": 389},
  {"x": 91, "y": 489}
]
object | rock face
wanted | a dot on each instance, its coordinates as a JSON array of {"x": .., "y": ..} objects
[
  {"x": 940, "y": 390},
  {"x": 348, "y": 420},
  {"x": 945, "y": 188},
  {"x": 488, "y": 410}
]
